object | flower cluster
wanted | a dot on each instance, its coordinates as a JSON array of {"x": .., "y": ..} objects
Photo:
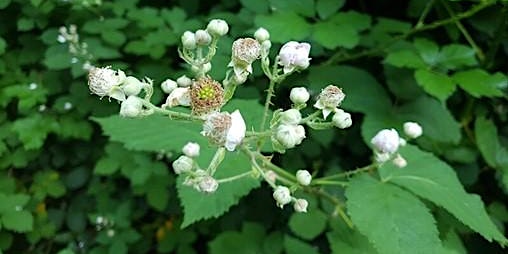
[
  {"x": 387, "y": 142},
  {"x": 78, "y": 49},
  {"x": 282, "y": 194}
]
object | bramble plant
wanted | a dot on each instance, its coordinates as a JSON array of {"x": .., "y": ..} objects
[{"x": 267, "y": 126}]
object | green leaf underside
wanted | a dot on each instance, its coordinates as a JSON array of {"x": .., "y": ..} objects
[
  {"x": 432, "y": 179},
  {"x": 394, "y": 220}
]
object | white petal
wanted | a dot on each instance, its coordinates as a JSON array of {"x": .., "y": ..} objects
[{"x": 236, "y": 132}]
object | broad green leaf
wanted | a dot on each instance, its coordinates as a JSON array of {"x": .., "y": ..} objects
[
  {"x": 405, "y": 58},
  {"x": 402, "y": 83},
  {"x": 436, "y": 84},
  {"x": 18, "y": 221},
  {"x": 363, "y": 93},
  {"x": 487, "y": 140},
  {"x": 308, "y": 225},
  {"x": 356, "y": 20},
  {"x": 261, "y": 6},
  {"x": 295, "y": 246},
  {"x": 154, "y": 133},
  {"x": 4, "y": 3},
  {"x": 432, "y": 179},
  {"x": 394, "y": 220},
  {"x": 453, "y": 244},
  {"x": 478, "y": 82},
  {"x": 33, "y": 130},
  {"x": 325, "y": 8},
  {"x": 437, "y": 121},
  {"x": 251, "y": 110},
  {"x": 284, "y": 26},
  {"x": 302, "y": 7},
  {"x": 454, "y": 56},
  {"x": 249, "y": 240},
  {"x": 343, "y": 240},
  {"x": 198, "y": 206},
  {"x": 3, "y": 45},
  {"x": 332, "y": 35},
  {"x": 157, "y": 192},
  {"x": 428, "y": 50},
  {"x": 12, "y": 202}
]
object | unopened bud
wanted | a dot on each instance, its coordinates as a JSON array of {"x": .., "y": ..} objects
[
  {"x": 183, "y": 164},
  {"x": 412, "y": 129},
  {"x": 299, "y": 95},
  {"x": 203, "y": 38},
  {"x": 381, "y": 157},
  {"x": 342, "y": 119},
  {"x": 191, "y": 149},
  {"x": 131, "y": 107},
  {"x": 291, "y": 116},
  {"x": 131, "y": 86},
  {"x": 208, "y": 184},
  {"x": 290, "y": 135},
  {"x": 301, "y": 205},
  {"x": 282, "y": 196},
  {"x": 399, "y": 161},
  {"x": 189, "y": 40},
  {"x": 386, "y": 141},
  {"x": 303, "y": 177},
  {"x": 184, "y": 81},
  {"x": 262, "y": 34},
  {"x": 271, "y": 176},
  {"x": 217, "y": 27},
  {"x": 168, "y": 85}
]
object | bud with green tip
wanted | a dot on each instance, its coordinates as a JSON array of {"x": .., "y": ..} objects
[
  {"x": 303, "y": 177},
  {"x": 262, "y": 35},
  {"x": 291, "y": 116},
  {"x": 189, "y": 40},
  {"x": 183, "y": 164},
  {"x": 132, "y": 86},
  {"x": 168, "y": 86},
  {"x": 282, "y": 196},
  {"x": 299, "y": 95},
  {"x": 301, "y": 205},
  {"x": 341, "y": 119},
  {"x": 217, "y": 27}
]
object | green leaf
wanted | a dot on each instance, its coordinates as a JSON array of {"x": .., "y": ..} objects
[
  {"x": 487, "y": 140},
  {"x": 33, "y": 130},
  {"x": 19, "y": 221},
  {"x": 432, "y": 179},
  {"x": 295, "y": 246},
  {"x": 344, "y": 240},
  {"x": 332, "y": 35},
  {"x": 198, "y": 206},
  {"x": 436, "y": 84},
  {"x": 4, "y": 3},
  {"x": 392, "y": 219},
  {"x": 405, "y": 58},
  {"x": 261, "y": 6},
  {"x": 249, "y": 240},
  {"x": 284, "y": 26},
  {"x": 325, "y": 8},
  {"x": 106, "y": 166},
  {"x": 454, "y": 56},
  {"x": 3, "y": 45},
  {"x": 428, "y": 50},
  {"x": 302, "y": 7},
  {"x": 251, "y": 110},
  {"x": 157, "y": 192},
  {"x": 308, "y": 225},
  {"x": 478, "y": 82}
]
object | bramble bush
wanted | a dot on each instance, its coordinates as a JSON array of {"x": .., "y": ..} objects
[{"x": 273, "y": 126}]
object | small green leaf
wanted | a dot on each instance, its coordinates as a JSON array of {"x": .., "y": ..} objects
[
  {"x": 19, "y": 221},
  {"x": 3, "y": 45},
  {"x": 260, "y": 7},
  {"x": 4, "y": 3},
  {"x": 405, "y": 58},
  {"x": 395, "y": 221},
  {"x": 331, "y": 35},
  {"x": 280, "y": 30},
  {"x": 428, "y": 50},
  {"x": 454, "y": 56},
  {"x": 478, "y": 82},
  {"x": 436, "y": 84},
  {"x": 325, "y": 8},
  {"x": 488, "y": 143},
  {"x": 432, "y": 179},
  {"x": 308, "y": 225},
  {"x": 302, "y": 7},
  {"x": 295, "y": 246},
  {"x": 249, "y": 240}
]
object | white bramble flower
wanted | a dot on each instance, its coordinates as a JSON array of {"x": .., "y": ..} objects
[
  {"x": 168, "y": 85},
  {"x": 132, "y": 86},
  {"x": 184, "y": 81},
  {"x": 282, "y": 196},
  {"x": 189, "y": 40},
  {"x": 399, "y": 161},
  {"x": 131, "y": 107},
  {"x": 329, "y": 99},
  {"x": 217, "y": 27},
  {"x": 341, "y": 119},
  {"x": 180, "y": 96},
  {"x": 244, "y": 52},
  {"x": 294, "y": 55},
  {"x": 412, "y": 129},
  {"x": 291, "y": 117},
  {"x": 208, "y": 184},
  {"x": 225, "y": 129},
  {"x": 289, "y": 135},
  {"x": 299, "y": 95},
  {"x": 301, "y": 205},
  {"x": 183, "y": 164},
  {"x": 105, "y": 82},
  {"x": 191, "y": 149},
  {"x": 203, "y": 38},
  {"x": 303, "y": 177},
  {"x": 386, "y": 141},
  {"x": 262, "y": 35}
]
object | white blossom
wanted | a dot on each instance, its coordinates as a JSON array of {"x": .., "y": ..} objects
[
  {"x": 291, "y": 116},
  {"x": 183, "y": 164},
  {"x": 180, "y": 96},
  {"x": 191, "y": 149},
  {"x": 217, "y": 27},
  {"x": 342, "y": 119},
  {"x": 301, "y": 205},
  {"x": 262, "y": 35},
  {"x": 303, "y": 177},
  {"x": 168, "y": 85},
  {"x": 244, "y": 52},
  {"x": 294, "y": 55},
  {"x": 282, "y": 196},
  {"x": 289, "y": 135},
  {"x": 105, "y": 82},
  {"x": 189, "y": 40},
  {"x": 271, "y": 176},
  {"x": 131, "y": 107},
  {"x": 225, "y": 129},
  {"x": 299, "y": 95},
  {"x": 412, "y": 129},
  {"x": 386, "y": 141},
  {"x": 236, "y": 133},
  {"x": 329, "y": 99}
]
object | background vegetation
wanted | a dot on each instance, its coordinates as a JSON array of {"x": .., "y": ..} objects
[{"x": 438, "y": 62}]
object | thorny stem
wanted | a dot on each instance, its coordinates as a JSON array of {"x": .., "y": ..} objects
[{"x": 338, "y": 57}]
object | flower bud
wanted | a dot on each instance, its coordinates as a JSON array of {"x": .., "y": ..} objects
[
  {"x": 282, "y": 196},
  {"x": 303, "y": 177},
  {"x": 208, "y": 184},
  {"x": 381, "y": 157},
  {"x": 168, "y": 86},
  {"x": 399, "y": 161},
  {"x": 402, "y": 142},
  {"x": 412, "y": 129},
  {"x": 291, "y": 116},
  {"x": 262, "y": 35},
  {"x": 106, "y": 82},
  {"x": 301, "y": 205},
  {"x": 290, "y": 135},
  {"x": 131, "y": 86},
  {"x": 386, "y": 141},
  {"x": 189, "y": 40},
  {"x": 184, "y": 81},
  {"x": 191, "y": 149},
  {"x": 131, "y": 107},
  {"x": 203, "y": 38},
  {"x": 180, "y": 96},
  {"x": 183, "y": 164},
  {"x": 299, "y": 95},
  {"x": 342, "y": 119},
  {"x": 217, "y": 27},
  {"x": 271, "y": 176},
  {"x": 294, "y": 55},
  {"x": 207, "y": 67}
]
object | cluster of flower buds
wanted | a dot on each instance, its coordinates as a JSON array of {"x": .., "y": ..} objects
[
  {"x": 387, "y": 142},
  {"x": 76, "y": 48},
  {"x": 282, "y": 194},
  {"x": 103, "y": 222},
  {"x": 288, "y": 130},
  {"x": 196, "y": 177}
]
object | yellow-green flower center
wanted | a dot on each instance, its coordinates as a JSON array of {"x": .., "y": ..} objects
[{"x": 206, "y": 92}]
